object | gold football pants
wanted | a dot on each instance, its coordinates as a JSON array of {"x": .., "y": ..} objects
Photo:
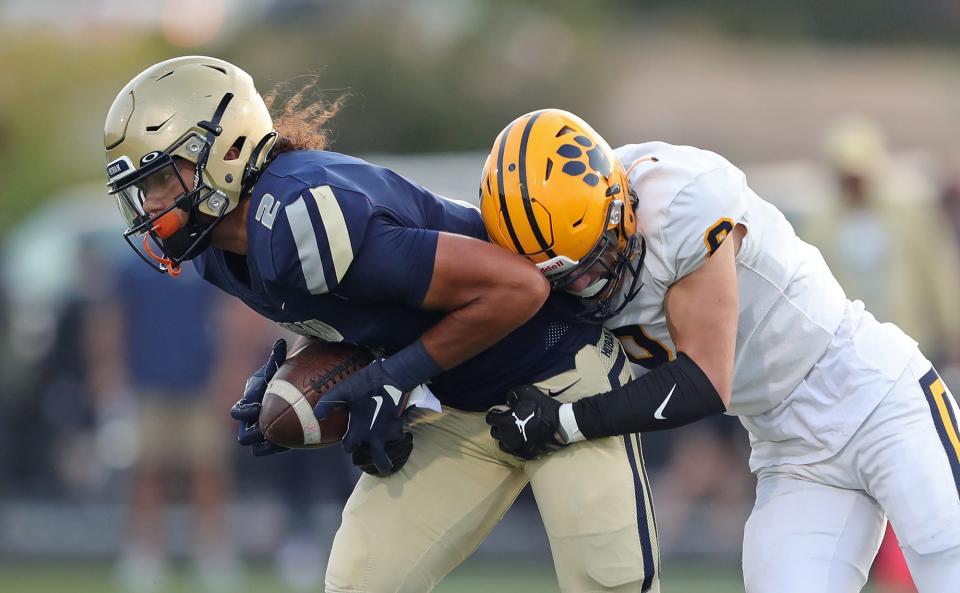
[{"x": 405, "y": 532}]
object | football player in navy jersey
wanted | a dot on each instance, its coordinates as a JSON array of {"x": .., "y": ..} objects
[{"x": 334, "y": 248}]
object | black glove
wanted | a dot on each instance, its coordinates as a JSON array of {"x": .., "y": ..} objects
[
  {"x": 526, "y": 428},
  {"x": 375, "y": 406},
  {"x": 247, "y": 410},
  {"x": 398, "y": 451}
]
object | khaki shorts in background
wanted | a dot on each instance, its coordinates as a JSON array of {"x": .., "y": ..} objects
[{"x": 180, "y": 431}]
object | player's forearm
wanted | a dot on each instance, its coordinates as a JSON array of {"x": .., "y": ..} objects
[
  {"x": 672, "y": 395},
  {"x": 459, "y": 336},
  {"x": 468, "y": 331},
  {"x": 485, "y": 292}
]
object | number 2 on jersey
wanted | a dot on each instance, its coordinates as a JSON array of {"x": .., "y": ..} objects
[{"x": 267, "y": 211}]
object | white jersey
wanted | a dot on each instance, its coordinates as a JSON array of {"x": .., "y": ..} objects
[{"x": 790, "y": 304}]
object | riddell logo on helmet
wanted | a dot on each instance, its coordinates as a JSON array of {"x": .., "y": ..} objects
[{"x": 553, "y": 266}]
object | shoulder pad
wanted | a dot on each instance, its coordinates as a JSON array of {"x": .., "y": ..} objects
[
  {"x": 314, "y": 237},
  {"x": 689, "y": 201}
]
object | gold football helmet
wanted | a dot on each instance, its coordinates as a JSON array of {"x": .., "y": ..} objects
[
  {"x": 552, "y": 190},
  {"x": 201, "y": 109}
]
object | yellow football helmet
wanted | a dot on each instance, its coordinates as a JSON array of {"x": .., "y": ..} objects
[
  {"x": 194, "y": 108},
  {"x": 553, "y": 191}
]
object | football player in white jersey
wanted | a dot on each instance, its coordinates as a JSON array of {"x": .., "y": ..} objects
[{"x": 725, "y": 310}]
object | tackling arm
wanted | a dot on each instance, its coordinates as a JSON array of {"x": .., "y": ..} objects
[{"x": 702, "y": 312}]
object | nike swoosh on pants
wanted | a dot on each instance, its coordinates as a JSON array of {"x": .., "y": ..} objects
[{"x": 559, "y": 391}]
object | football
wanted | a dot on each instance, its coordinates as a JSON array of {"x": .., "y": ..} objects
[{"x": 286, "y": 417}]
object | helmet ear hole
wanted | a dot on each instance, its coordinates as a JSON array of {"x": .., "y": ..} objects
[{"x": 235, "y": 149}]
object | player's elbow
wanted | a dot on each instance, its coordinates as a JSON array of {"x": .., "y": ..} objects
[
  {"x": 536, "y": 289},
  {"x": 725, "y": 391},
  {"x": 723, "y": 383},
  {"x": 718, "y": 369},
  {"x": 523, "y": 292}
]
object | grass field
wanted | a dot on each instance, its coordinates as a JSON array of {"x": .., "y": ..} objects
[{"x": 33, "y": 577}]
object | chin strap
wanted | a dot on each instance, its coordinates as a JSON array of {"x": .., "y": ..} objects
[
  {"x": 168, "y": 264},
  {"x": 251, "y": 172},
  {"x": 601, "y": 312},
  {"x": 636, "y": 270}
]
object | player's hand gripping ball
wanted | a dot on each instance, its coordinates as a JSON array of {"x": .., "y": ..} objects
[
  {"x": 286, "y": 417},
  {"x": 375, "y": 437},
  {"x": 247, "y": 410},
  {"x": 277, "y": 409}
]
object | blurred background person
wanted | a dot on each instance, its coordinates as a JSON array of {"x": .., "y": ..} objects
[
  {"x": 884, "y": 233},
  {"x": 949, "y": 176},
  {"x": 155, "y": 349}
]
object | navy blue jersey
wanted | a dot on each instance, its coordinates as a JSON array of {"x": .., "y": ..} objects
[{"x": 342, "y": 250}]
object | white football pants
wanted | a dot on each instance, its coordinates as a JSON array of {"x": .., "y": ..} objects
[{"x": 816, "y": 528}]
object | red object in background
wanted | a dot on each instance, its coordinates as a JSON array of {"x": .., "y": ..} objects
[{"x": 890, "y": 572}]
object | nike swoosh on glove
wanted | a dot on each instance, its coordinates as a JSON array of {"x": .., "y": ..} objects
[
  {"x": 247, "y": 409},
  {"x": 374, "y": 404},
  {"x": 526, "y": 427}
]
